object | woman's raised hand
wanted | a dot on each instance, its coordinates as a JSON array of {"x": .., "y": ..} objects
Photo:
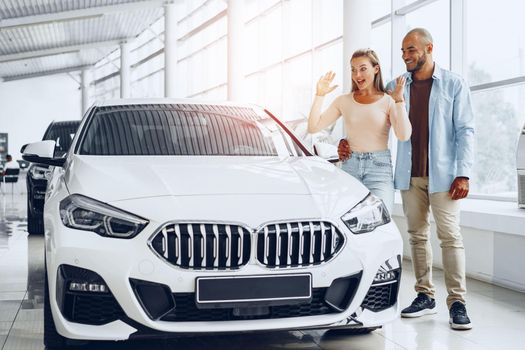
[
  {"x": 397, "y": 94},
  {"x": 323, "y": 85}
]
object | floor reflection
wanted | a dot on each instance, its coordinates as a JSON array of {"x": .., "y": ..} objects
[{"x": 35, "y": 273}]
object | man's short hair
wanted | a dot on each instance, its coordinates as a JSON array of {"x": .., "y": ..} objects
[{"x": 424, "y": 34}]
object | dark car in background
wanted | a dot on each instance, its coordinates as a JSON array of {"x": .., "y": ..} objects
[
  {"x": 23, "y": 164},
  {"x": 62, "y": 133}
]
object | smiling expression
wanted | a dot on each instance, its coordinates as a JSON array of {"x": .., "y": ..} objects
[
  {"x": 415, "y": 53},
  {"x": 363, "y": 72}
]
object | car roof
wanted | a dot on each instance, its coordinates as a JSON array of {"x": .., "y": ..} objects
[
  {"x": 169, "y": 101},
  {"x": 65, "y": 123},
  {"x": 60, "y": 125}
]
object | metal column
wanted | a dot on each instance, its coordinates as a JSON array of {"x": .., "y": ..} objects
[
  {"x": 125, "y": 72},
  {"x": 84, "y": 86},
  {"x": 235, "y": 49},
  {"x": 356, "y": 35},
  {"x": 170, "y": 50}
]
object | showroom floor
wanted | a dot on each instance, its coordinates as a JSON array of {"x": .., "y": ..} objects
[{"x": 498, "y": 314}]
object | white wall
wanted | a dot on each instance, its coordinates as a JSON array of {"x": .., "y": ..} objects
[
  {"x": 28, "y": 106},
  {"x": 494, "y": 242}
]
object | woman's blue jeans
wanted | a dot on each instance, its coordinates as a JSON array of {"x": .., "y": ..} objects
[{"x": 374, "y": 170}]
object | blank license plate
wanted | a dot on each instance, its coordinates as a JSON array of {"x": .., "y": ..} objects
[{"x": 253, "y": 290}]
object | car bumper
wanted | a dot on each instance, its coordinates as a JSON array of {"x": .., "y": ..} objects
[
  {"x": 119, "y": 262},
  {"x": 36, "y": 192}
]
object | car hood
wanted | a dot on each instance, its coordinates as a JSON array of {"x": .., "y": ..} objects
[{"x": 112, "y": 179}]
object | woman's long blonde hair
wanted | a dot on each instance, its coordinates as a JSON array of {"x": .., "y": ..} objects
[{"x": 374, "y": 60}]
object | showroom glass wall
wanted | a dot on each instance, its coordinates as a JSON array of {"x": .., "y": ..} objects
[{"x": 290, "y": 43}]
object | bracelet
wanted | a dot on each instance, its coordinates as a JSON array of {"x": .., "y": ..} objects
[{"x": 400, "y": 101}]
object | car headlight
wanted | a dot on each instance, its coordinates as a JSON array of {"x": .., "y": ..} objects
[
  {"x": 38, "y": 172},
  {"x": 83, "y": 213},
  {"x": 368, "y": 214}
]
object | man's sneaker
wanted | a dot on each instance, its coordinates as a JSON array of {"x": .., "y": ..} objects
[
  {"x": 422, "y": 305},
  {"x": 458, "y": 316}
]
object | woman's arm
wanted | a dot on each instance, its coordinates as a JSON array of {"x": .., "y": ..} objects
[
  {"x": 317, "y": 121},
  {"x": 400, "y": 122}
]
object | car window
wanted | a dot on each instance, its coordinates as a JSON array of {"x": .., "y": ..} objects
[
  {"x": 62, "y": 134},
  {"x": 183, "y": 130}
]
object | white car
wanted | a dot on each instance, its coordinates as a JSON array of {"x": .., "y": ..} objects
[{"x": 170, "y": 216}]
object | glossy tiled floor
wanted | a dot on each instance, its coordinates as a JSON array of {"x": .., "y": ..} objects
[{"x": 498, "y": 314}]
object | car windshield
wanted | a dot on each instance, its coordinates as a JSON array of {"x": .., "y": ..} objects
[
  {"x": 62, "y": 133},
  {"x": 169, "y": 130}
]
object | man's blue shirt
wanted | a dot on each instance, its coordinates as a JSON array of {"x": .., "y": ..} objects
[{"x": 451, "y": 133}]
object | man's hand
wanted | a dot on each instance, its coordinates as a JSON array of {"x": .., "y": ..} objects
[
  {"x": 343, "y": 150},
  {"x": 459, "y": 188}
]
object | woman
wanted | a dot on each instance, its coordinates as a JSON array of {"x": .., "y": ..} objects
[{"x": 368, "y": 113}]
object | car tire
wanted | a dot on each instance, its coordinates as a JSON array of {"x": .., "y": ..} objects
[
  {"x": 52, "y": 340},
  {"x": 35, "y": 224},
  {"x": 352, "y": 331}
]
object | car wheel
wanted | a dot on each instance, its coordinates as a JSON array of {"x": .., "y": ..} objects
[
  {"x": 35, "y": 224},
  {"x": 52, "y": 340},
  {"x": 352, "y": 331}
]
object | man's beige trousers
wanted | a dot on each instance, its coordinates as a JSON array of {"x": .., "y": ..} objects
[{"x": 416, "y": 204}]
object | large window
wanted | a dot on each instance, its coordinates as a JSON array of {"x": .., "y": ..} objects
[
  {"x": 499, "y": 117},
  {"x": 297, "y": 91},
  {"x": 435, "y": 17},
  {"x": 379, "y": 8},
  {"x": 147, "y": 67},
  {"x": 494, "y": 66},
  {"x": 297, "y": 28},
  {"x": 495, "y": 40},
  {"x": 381, "y": 44},
  {"x": 327, "y": 20},
  {"x": 290, "y": 43}
]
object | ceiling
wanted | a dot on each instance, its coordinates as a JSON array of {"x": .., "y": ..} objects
[{"x": 41, "y": 37}]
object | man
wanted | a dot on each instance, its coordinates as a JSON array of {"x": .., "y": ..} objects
[
  {"x": 432, "y": 171},
  {"x": 10, "y": 163}
]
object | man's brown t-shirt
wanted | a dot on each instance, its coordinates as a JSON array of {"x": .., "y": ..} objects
[{"x": 418, "y": 115}]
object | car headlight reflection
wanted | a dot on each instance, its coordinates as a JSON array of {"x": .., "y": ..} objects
[
  {"x": 83, "y": 213},
  {"x": 368, "y": 214}
]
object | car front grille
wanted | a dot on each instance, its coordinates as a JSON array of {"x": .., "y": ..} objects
[
  {"x": 203, "y": 245},
  {"x": 187, "y": 311},
  {"x": 213, "y": 246},
  {"x": 297, "y": 243}
]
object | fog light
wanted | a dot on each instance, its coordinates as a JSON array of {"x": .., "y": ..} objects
[
  {"x": 88, "y": 287},
  {"x": 388, "y": 272},
  {"x": 384, "y": 276}
]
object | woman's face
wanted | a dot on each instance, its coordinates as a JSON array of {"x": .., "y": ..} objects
[{"x": 363, "y": 72}]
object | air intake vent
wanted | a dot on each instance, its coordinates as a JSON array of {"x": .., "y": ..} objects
[
  {"x": 297, "y": 243},
  {"x": 203, "y": 246}
]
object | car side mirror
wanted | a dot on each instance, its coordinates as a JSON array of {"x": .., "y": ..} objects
[
  {"x": 326, "y": 151},
  {"x": 42, "y": 153}
]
